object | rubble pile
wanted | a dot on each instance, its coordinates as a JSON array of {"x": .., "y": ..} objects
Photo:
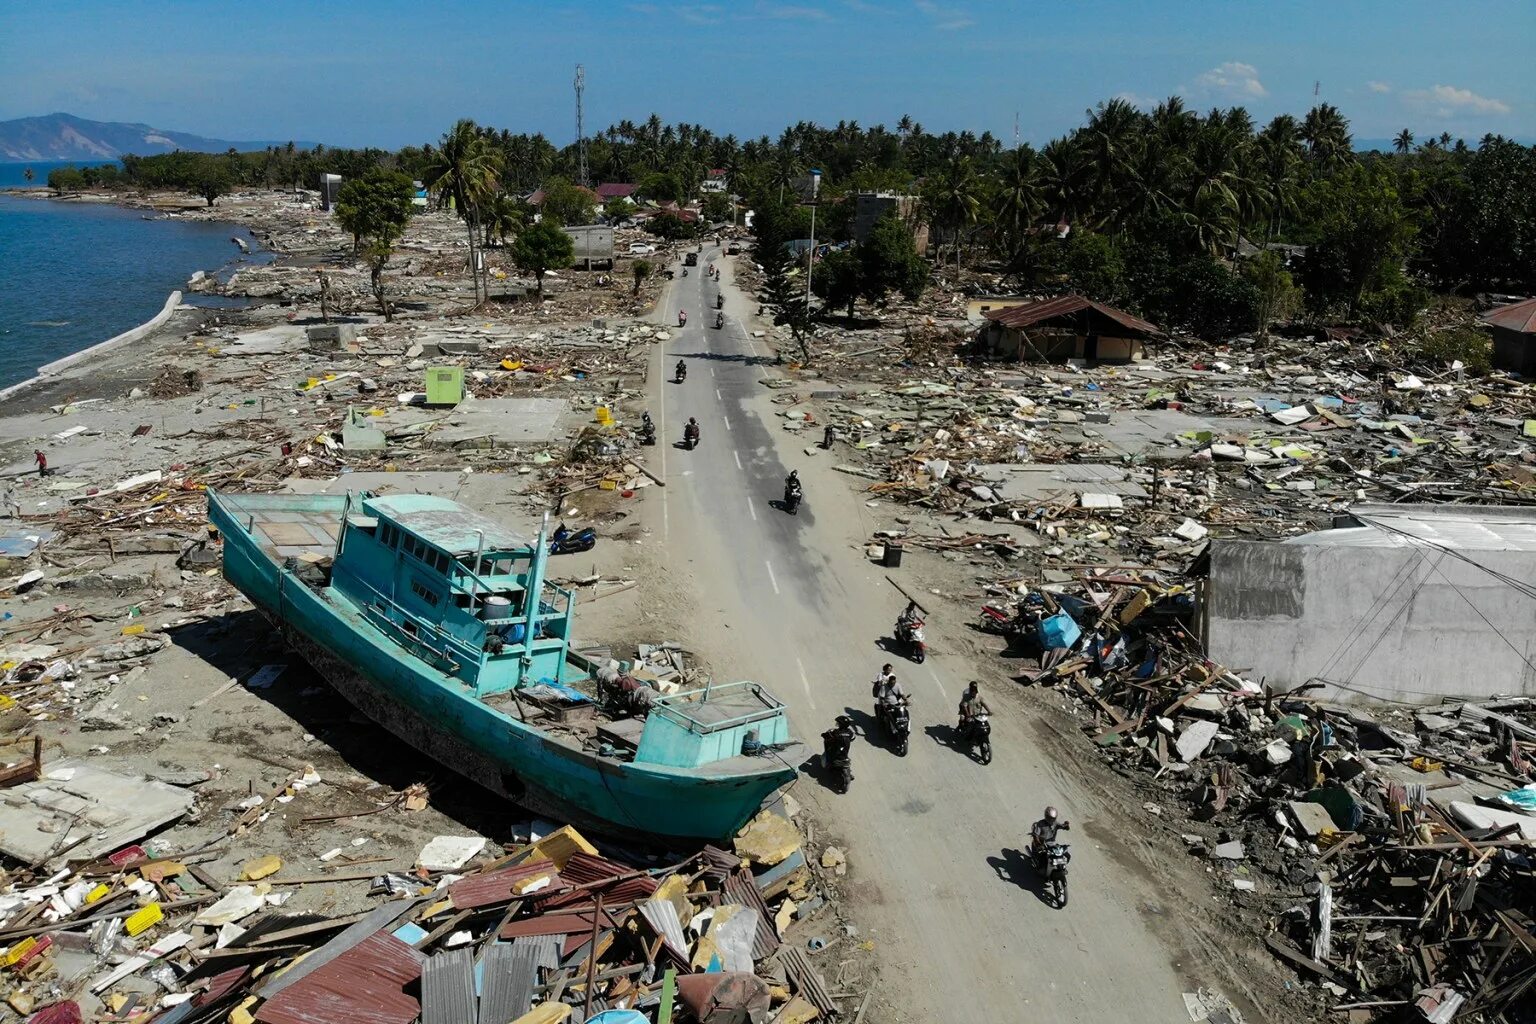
[{"x": 544, "y": 931}]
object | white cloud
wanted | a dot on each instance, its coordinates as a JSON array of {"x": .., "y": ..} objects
[
  {"x": 1378, "y": 86},
  {"x": 1234, "y": 80},
  {"x": 945, "y": 19},
  {"x": 1449, "y": 101},
  {"x": 1136, "y": 100}
]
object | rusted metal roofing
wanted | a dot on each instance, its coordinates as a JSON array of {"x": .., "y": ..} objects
[
  {"x": 503, "y": 885},
  {"x": 1517, "y": 316},
  {"x": 571, "y": 922},
  {"x": 364, "y": 985},
  {"x": 806, "y": 979},
  {"x": 583, "y": 868},
  {"x": 739, "y": 888},
  {"x": 718, "y": 863},
  {"x": 1032, "y": 313},
  {"x": 448, "y": 988}
]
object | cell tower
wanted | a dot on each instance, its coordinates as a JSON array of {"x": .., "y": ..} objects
[
  {"x": 581, "y": 137},
  {"x": 1015, "y": 129},
  {"x": 1317, "y": 87}
]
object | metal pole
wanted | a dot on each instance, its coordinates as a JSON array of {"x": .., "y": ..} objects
[{"x": 810, "y": 256}]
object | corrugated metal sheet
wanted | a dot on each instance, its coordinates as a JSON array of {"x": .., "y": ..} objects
[
  {"x": 448, "y": 988},
  {"x": 498, "y": 886},
  {"x": 661, "y": 915},
  {"x": 718, "y": 863},
  {"x": 1032, "y": 313},
  {"x": 739, "y": 888},
  {"x": 355, "y": 934},
  {"x": 1517, "y": 316},
  {"x": 631, "y": 890},
  {"x": 363, "y": 985},
  {"x": 584, "y": 868},
  {"x": 500, "y": 989},
  {"x": 806, "y": 979},
  {"x": 568, "y": 923}
]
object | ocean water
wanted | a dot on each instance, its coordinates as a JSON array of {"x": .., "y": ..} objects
[{"x": 73, "y": 275}]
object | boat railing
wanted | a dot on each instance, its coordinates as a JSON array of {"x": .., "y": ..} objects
[
  {"x": 449, "y": 641},
  {"x": 675, "y": 707}
]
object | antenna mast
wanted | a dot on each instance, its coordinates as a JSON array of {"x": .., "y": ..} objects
[
  {"x": 581, "y": 138},
  {"x": 1015, "y": 129}
]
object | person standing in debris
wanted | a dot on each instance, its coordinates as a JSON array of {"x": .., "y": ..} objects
[
  {"x": 42, "y": 462},
  {"x": 826, "y": 438}
]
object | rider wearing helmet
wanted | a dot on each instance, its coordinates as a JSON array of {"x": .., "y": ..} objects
[{"x": 1044, "y": 831}]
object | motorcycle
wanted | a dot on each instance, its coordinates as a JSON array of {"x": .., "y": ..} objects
[
  {"x": 691, "y": 437},
  {"x": 564, "y": 542},
  {"x": 896, "y": 717},
  {"x": 839, "y": 761},
  {"x": 647, "y": 433},
  {"x": 978, "y": 735},
  {"x": 792, "y": 496},
  {"x": 719, "y": 321},
  {"x": 909, "y": 632},
  {"x": 682, "y": 373},
  {"x": 682, "y": 319},
  {"x": 685, "y": 271},
  {"x": 1051, "y": 865}
]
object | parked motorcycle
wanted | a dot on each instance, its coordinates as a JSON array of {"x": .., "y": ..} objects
[
  {"x": 909, "y": 633},
  {"x": 978, "y": 735},
  {"x": 564, "y": 542},
  {"x": 1051, "y": 865},
  {"x": 896, "y": 718},
  {"x": 647, "y": 433}
]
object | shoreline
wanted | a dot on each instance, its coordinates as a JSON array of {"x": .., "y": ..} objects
[{"x": 51, "y": 371}]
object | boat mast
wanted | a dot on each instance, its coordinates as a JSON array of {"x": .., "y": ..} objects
[{"x": 535, "y": 587}]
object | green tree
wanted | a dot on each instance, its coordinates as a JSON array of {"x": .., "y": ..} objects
[
  {"x": 66, "y": 179},
  {"x": 29, "y": 174},
  {"x": 837, "y": 280},
  {"x": 660, "y": 187},
  {"x": 717, "y": 208},
  {"x": 952, "y": 199},
  {"x": 542, "y": 248},
  {"x": 784, "y": 291},
  {"x": 212, "y": 179},
  {"x": 1363, "y": 235},
  {"x": 619, "y": 209},
  {"x": 670, "y": 226},
  {"x": 568, "y": 204},
  {"x": 1276, "y": 296},
  {"x": 642, "y": 270},
  {"x": 377, "y": 207},
  {"x": 888, "y": 262},
  {"x": 504, "y": 217},
  {"x": 1403, "y": 141}
]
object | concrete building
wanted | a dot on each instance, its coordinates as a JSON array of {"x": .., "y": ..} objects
[
  {"x": 592, "y": 243},
  {"x": 1514, "y": 337},
  {"x": 1062, "y": 328},
  {"x": 869, "y": 207},
  {"x": 1407, "y": 603}
]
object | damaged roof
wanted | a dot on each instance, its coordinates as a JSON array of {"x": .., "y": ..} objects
[
  {"x": 446, "y": 524},
  {"x": 1064, "y": 307},
  {"x": 1517, "y": 316}
]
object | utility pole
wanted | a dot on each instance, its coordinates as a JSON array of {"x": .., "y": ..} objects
[
  {"x": 810, "y": 255},
  {"x": 581, "y": 137}
]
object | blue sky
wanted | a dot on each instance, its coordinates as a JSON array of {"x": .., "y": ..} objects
[{"x": 380, "y": 72}]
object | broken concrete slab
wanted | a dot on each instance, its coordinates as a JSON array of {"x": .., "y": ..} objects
[
  {"x": 1195, "y": 738},
  {"x": 40, "y": 819}
]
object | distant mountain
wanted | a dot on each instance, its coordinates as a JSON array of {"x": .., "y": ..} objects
[{"x": 66, "y": 137}]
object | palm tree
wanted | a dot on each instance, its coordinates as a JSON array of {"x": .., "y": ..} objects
[
  {"x": 1326, "y": 133},
  {"x": 1065, "y": 175},
  {"x": 953, "y": 198},
  {"x": 1110, "y": 135},
  {"x": 1020, "y": 200},
  {"x": 465, "y": 170},
  {"x": 785, "y": 167},
  {"x": 1403, "y": 141}
]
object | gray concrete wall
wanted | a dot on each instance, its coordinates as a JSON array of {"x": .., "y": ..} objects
[{"x": 1399, "y": 623}]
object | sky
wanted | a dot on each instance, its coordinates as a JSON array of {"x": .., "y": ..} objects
[{"x": 387, "y": 73}]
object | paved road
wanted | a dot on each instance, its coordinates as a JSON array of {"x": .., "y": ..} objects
[{"x": 932, "y": 839}]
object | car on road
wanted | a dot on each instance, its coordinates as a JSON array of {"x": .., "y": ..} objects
[
  {"x": 691, "y": 260},
  {"x": 734, "y": 249},
  {"x": 641, "y": 249}
]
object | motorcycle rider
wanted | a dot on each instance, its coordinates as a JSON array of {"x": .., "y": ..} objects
[
  {"x": 907, "y": 620},
  {"x": 792, "y": 485},
  {"x": 837, "y": 741},
  {"x": 682, "y": 315},
  {"x": 886, "y": 689},
  {"x": 680, "y": 371},
  {"x": 719, "y": 321},
  {"x": 691, "y": 431},
  {"x": 647, "y": 427},
  {"x": 972, "y": 704},
  {"x": 1044, "y": 831}
]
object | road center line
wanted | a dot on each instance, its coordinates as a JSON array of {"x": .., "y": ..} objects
[
  {"x": 805, "y": 681},
  {"x": 737, "y": 457},
  {"x": 771, "y": 577},
  {"x": 751, "y": 508},
  {"x": 727, "y": 420},
  {"x": 717, "y": 395}
]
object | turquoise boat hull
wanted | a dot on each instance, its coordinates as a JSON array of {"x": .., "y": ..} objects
[{"x": 435, "y": 714}]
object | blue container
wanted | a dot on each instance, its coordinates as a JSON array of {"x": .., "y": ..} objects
[{"x": 1060, "y": 630}]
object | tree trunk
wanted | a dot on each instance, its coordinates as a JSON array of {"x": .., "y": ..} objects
[
  {"x": 474, "y": 274},
  {"x": 538, "y": 279},
  {"x": 376, "y": 278}
]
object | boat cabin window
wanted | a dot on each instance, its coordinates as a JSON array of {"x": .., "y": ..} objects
[
  {"x": 425, "y": 593},
  {"x": 389, "y": 535},
  {"x": 418, "y": 549},
  {"x": 494, "y": 566}
]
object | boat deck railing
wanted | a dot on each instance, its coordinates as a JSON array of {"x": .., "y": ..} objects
[{"x": 720, "y": 706}]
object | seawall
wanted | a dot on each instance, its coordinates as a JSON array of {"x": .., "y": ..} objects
[{"x": 133, "y": 334}]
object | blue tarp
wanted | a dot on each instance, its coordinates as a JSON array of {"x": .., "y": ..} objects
[{"x": 1060, "y": 630}]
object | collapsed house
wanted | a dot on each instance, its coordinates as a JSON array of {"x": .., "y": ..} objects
[{"x": 1064, "y": 328}]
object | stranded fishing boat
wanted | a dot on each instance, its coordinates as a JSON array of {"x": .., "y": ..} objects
[{"x": 438, "y": 624}]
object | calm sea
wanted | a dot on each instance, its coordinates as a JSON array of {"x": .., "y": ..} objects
[{"x": 74, "y": 275}]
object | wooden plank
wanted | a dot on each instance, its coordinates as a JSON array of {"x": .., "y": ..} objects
[{"x": 1285, "y": 952}]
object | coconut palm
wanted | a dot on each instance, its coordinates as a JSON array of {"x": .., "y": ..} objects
[
  {"x": 1326, "y": 133},
  {"x": 1403, "y": 141},
  {"x": 465, "y": 169},
  {"x": 952, "y": 198},
  {"x": 1020, "y": 201}
]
